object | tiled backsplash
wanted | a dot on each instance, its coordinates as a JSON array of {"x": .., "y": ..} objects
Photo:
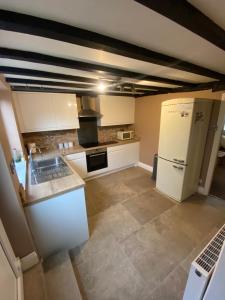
[
  {"x": 51, "y": 139},
  {"x": 109, "y": 133}
]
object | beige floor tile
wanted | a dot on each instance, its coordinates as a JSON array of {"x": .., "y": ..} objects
[
  {"x": 116, "y": 220},
  {"x": 147, "y": 206},
  {"x": 116, "y": 279},
  {"x": 140, "y": 184},
  {"x": 96, "y": 243},
  {"x": 172, "y": 288},
  {"x": 195, "y": 217},
  {"x": 155, "y": 251}
]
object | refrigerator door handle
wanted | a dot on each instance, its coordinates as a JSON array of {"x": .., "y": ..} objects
[
  {"x": 178, "y": 168},
  {"x": 178, "y": 160}
]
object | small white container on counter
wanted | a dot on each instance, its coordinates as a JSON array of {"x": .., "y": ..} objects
[
  {"x": 66, "y": 145},
  {"x": 70, "y": 144},
  {"x": 60, "y": 145}
]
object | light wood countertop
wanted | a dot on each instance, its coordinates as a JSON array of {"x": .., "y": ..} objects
[{"x": 43, "y": 191}]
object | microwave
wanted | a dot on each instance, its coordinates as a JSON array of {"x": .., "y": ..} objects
[{"x": 125, "y": 135}]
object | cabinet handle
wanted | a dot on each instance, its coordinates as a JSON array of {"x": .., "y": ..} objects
[
  {"x": 178, "y": 168},
  {"x": 98, "y": 154}
]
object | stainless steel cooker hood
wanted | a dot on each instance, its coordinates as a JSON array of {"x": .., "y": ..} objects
[{"x": 86, "y": 110}]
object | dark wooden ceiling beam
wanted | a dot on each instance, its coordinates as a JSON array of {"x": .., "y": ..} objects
[
  {"x": 23, "y": 88},
  {"x": 214, "y": 86},
  {"x": 83, "y": 66},
  {"x": 22, "y": 23},
  {"x": 134, "y": 87},
  {"x": 45, "y": 74},
  {"x": 188, "y": 16},
  {"x": 150, "y": 87},
  {"x": 48, "y": 82}
]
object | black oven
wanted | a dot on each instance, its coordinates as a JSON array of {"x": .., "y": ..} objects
[{"x": 96, "y": 159}]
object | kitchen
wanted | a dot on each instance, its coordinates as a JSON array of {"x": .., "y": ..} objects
[
  {"x": 51, "y": 164},
  {"x": 107, "y": 151}
]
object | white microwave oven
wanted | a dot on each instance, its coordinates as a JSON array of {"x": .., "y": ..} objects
[{"x": 125, "y": 135}]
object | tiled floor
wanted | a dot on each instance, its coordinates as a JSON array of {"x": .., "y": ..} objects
[{"x": 141, "y": 243}]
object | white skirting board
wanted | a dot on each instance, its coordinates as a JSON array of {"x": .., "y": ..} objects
[
  {"x": 29, "y": 261},
  {"x": 202, "y": 190},
  {"x": 145, "y": 166}
]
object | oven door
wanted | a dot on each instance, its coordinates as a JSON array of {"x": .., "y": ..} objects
[{"x": 97, "y": 161}]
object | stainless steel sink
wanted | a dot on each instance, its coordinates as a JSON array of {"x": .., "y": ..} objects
[{"x": 48, "y": 169}]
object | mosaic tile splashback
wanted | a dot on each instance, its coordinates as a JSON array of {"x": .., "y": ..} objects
[{"x": 51, "y": 139}]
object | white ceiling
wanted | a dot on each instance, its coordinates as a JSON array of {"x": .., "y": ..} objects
[
  {"x": 56, "y": 48},
  {"x": 214, "y": 9},
  {"x": 126, "y": 20}
]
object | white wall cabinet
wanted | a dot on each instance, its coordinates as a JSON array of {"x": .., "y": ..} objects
[
  {"x": 78, "y": 162},
  {"x": 115, "y": 110},
  {"x": 46, "y": 111},
  {"x": 123, "y": 155}
]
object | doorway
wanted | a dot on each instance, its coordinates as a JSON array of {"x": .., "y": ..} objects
[{"x": 218, "y": 181}]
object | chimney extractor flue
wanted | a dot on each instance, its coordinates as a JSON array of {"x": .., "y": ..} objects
[{"x": 86, "y": 110}]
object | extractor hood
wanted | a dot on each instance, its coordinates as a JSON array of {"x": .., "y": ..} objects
[{"x": 86, "y": 110}]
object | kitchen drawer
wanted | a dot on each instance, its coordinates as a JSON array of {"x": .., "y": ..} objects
[{"x": 74, "y": 156}]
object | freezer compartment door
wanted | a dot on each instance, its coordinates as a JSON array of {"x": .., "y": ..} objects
[
  {"x": 170, "y": 179},
  {"x": 175, "y": 128}
]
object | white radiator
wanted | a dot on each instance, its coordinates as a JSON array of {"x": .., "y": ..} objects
[{"x": 202, "y": 268}]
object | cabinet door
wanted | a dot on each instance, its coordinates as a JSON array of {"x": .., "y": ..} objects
[
  {"x": 80, "y": 166},
  {"x": 35, "y": 111},
  {"x": 78, "y": 162},
  {"x": 123, "y": 155},
  {"x": 132, "y": 153},
  {"x": 117, "y": 159},
  {"x": 116, "y": 110},
  {"x": 65, "y": 111}
]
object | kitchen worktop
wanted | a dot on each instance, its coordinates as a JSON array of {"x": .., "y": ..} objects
[
  {"x": 78, "y": 149},
  {"x": 43, "y": 191}
]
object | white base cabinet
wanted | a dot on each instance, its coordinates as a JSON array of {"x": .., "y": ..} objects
[
  {"x": 59, "y": 223},
  {"x": 118, "y": 157},
  {"x": 78, "y": 162},
  {"x": 123, "y": 155}
]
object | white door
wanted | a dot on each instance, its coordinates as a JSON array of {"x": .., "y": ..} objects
[
  {"x": 8, "y": 280},
  {"x": 170, "y": 178},
  {"x": 175, "y": 129}
]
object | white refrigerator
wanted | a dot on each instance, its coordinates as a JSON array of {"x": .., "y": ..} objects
[{"x": 183, "y": 130}]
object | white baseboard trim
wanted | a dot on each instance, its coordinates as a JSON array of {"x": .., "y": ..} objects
[
  {"x": 145, "y": 166},
  {"x": 202, "y": 190},
  {"x": 29, "y": 261}
]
